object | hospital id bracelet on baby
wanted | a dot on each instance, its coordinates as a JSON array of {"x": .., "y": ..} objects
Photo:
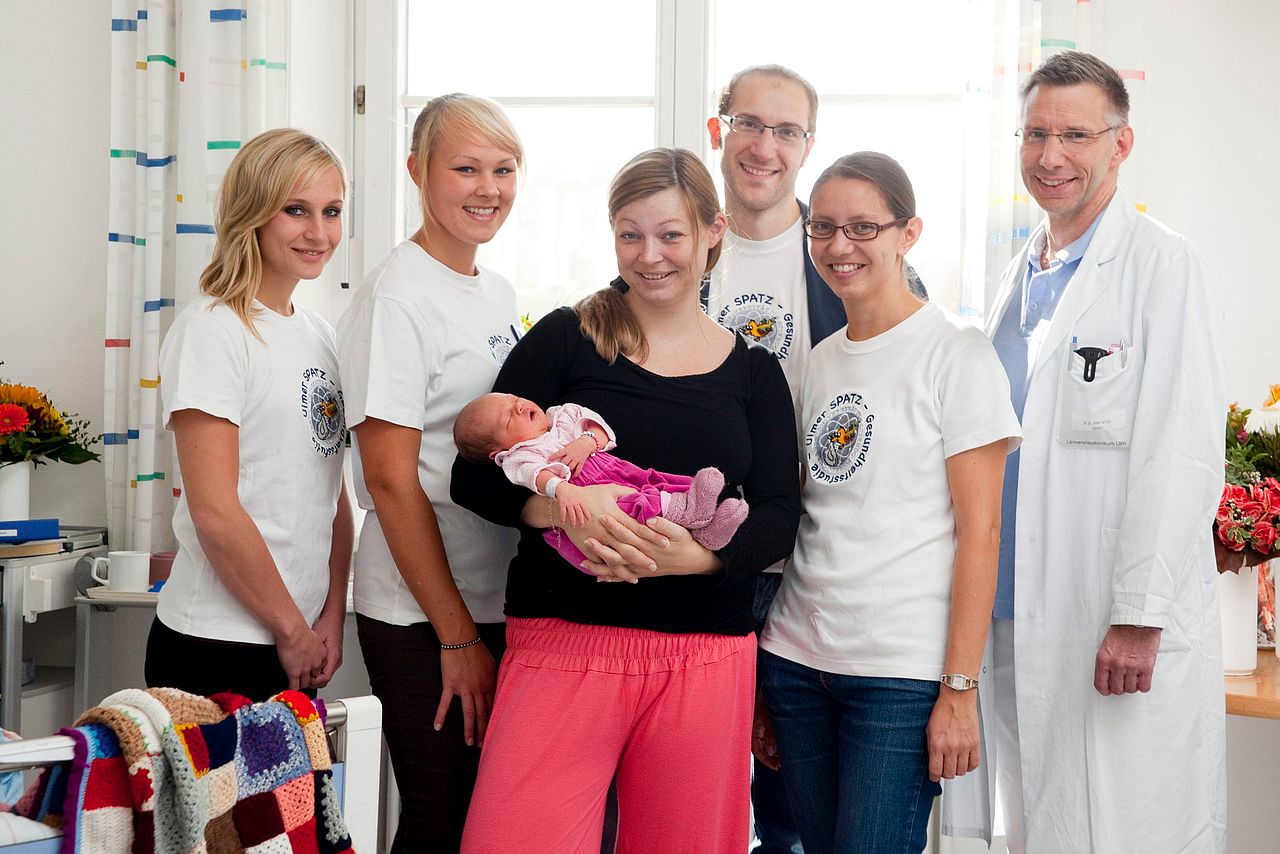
[{"x": 958, "y": 681}]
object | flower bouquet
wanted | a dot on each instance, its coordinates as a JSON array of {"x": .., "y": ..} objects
[
  {"x": 1248, "y": 516},
  {"x": 33, "y": 430}
]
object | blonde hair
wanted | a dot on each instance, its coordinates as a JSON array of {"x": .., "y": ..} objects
[
  {"x": 604, "y": 316},
  {"x": 468, "y": 115},
  {"x": 259, "y": 180}
]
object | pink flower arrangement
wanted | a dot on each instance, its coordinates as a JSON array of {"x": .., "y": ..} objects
[{"x": 1250, "y": 516}]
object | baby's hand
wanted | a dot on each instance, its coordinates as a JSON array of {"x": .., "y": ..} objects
[
  {"x": 573, "y": 511},
  {"x": 575, "y": 454}
]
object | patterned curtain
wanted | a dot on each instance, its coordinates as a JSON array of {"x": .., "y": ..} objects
[{"x": 191, "y": 79}]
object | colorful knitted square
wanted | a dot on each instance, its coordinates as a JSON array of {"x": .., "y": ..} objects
[
  {"x": 272, "y": 750},
  {"x": 107, "y": 784},
  {"x": 221, "y": 836},
  {"x": 275, "y": 845},
  {"x": 221, "y": 785},
  {"x": 258, "y": 818},
  {"x": 296, "y": 801},
  {"x": 304, "y": 839}
]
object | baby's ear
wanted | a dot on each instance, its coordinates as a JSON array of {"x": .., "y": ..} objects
[{"x": 494, "y": 453}]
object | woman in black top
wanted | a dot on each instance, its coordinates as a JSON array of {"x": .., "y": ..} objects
[{"x": 652, "y": 680}]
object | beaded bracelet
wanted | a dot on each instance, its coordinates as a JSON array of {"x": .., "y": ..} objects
[{"x": 461, "y": 645}]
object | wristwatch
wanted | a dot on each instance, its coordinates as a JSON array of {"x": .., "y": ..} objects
[{"x": 958, "y": 681}]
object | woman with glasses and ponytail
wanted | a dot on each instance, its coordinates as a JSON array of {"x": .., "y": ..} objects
[{"x": 875, "y": 640}]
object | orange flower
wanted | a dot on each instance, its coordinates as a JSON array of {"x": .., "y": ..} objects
[
  {"x": 23, "y": 395},
  {"x": 13, "y": 418},
  {"x": 1274, "y": 397}
]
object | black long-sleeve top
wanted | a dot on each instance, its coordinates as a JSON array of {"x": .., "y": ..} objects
[{"x": 738, "y": 418}]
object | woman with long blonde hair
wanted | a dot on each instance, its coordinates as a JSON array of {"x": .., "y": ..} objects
[
  {"x": 426, "y": 332},
  {"x": 653, "y": 681},
  {"x": 256, "y": 600}
]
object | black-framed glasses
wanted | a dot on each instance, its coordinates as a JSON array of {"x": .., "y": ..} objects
[
  {"x": 792, "y": 134},
  {"x": 1037, "y": 138},
  {"x": 819, "y": 230}
]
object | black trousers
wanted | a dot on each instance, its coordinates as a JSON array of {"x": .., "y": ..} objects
[
  {"x": 435, "y": 771},
  {"x": 203, "y": 666}
]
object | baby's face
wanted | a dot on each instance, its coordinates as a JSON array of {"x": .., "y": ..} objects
[{"x": 516, "y": 420}]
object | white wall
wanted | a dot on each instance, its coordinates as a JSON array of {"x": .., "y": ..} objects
[
  {"x": 1209, "y": 142},
  {"x": 53, "y": 225}
]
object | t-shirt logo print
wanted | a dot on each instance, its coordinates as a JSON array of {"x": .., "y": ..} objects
[
  {"x": 500, "y": 347},
  {"x": 322, "y": 407},
  {"x": 759, "y": 319},
  {"x": 839, "y": 439}
]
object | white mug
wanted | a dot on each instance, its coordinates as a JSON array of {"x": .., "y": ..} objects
[{"x": 126, "y": 571}]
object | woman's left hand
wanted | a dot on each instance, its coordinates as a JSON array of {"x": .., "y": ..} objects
[
  {"x": 672, "y": 551},
  {"x": 953, "y": 734}
]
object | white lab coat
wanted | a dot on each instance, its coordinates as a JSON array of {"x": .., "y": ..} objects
[{"x": 1118, "y": 484}]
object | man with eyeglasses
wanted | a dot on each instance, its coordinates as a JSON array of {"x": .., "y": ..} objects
[
  {"x": 766, "y": 288},
  {"x": 1105, "y": 679}
]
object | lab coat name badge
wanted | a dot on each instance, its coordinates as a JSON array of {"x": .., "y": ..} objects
[
  {"x": 1097, "y": 397},
  {"x": 838, "y": 441}
]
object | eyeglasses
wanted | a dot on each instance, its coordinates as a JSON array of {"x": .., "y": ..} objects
[
  {"x": 819, "y": 230},
  {"x": 791, "y": 134},
  {"x": 1037, "y": 138}
]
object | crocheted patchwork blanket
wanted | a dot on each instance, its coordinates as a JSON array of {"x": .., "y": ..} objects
[{"x": 166, "y": 771}]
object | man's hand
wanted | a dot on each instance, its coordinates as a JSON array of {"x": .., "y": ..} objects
[
  {"x": 763, "y": 746},
  {"x": 1126, "y": 659}
]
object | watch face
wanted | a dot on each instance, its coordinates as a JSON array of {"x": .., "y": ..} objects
[{"x": 959, "y": 682}]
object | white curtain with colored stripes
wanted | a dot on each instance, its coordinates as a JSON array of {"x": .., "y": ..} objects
[{"x": 190, "y": 80}]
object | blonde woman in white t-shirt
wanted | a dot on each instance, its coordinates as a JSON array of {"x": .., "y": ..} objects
[
  {"x": 424, "y": 335},
  {"x": 256, "y": 599},
  {"x": 875, "y": 640}
]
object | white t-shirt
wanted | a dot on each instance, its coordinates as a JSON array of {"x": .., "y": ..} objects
[
  {"x": 283, "y": 394},
  {"x": 758, "y": 290},
  {"x": 418, "y": 343},
  {"x": 868, "y": 589}
]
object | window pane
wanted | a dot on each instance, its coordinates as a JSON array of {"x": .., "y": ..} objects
[
  {"x": 510, "y": 49},
  {"x": 556, "y": 245},
  {"x": 908, "y": 134},
  {"x": 849, "y": 48}
]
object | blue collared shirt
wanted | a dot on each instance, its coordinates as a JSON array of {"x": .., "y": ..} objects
[{"x": 1017, "y": 341}]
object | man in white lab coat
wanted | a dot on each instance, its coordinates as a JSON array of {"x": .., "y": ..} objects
[{"x": 1103, "y": 699}]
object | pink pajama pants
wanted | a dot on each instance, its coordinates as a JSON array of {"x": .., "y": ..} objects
[
  {"x": 670, "y": 714},
  {"x": 639, "y": 505}
]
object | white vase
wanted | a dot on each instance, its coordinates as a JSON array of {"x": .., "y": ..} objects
[
  {"x": 1238, "y": 607},
  {"x": 15, "y": 492}
]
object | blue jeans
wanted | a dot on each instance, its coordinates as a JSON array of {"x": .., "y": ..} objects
[
  {"x": 775, "y": 824},
  {"x": 854, "y": 757}
]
